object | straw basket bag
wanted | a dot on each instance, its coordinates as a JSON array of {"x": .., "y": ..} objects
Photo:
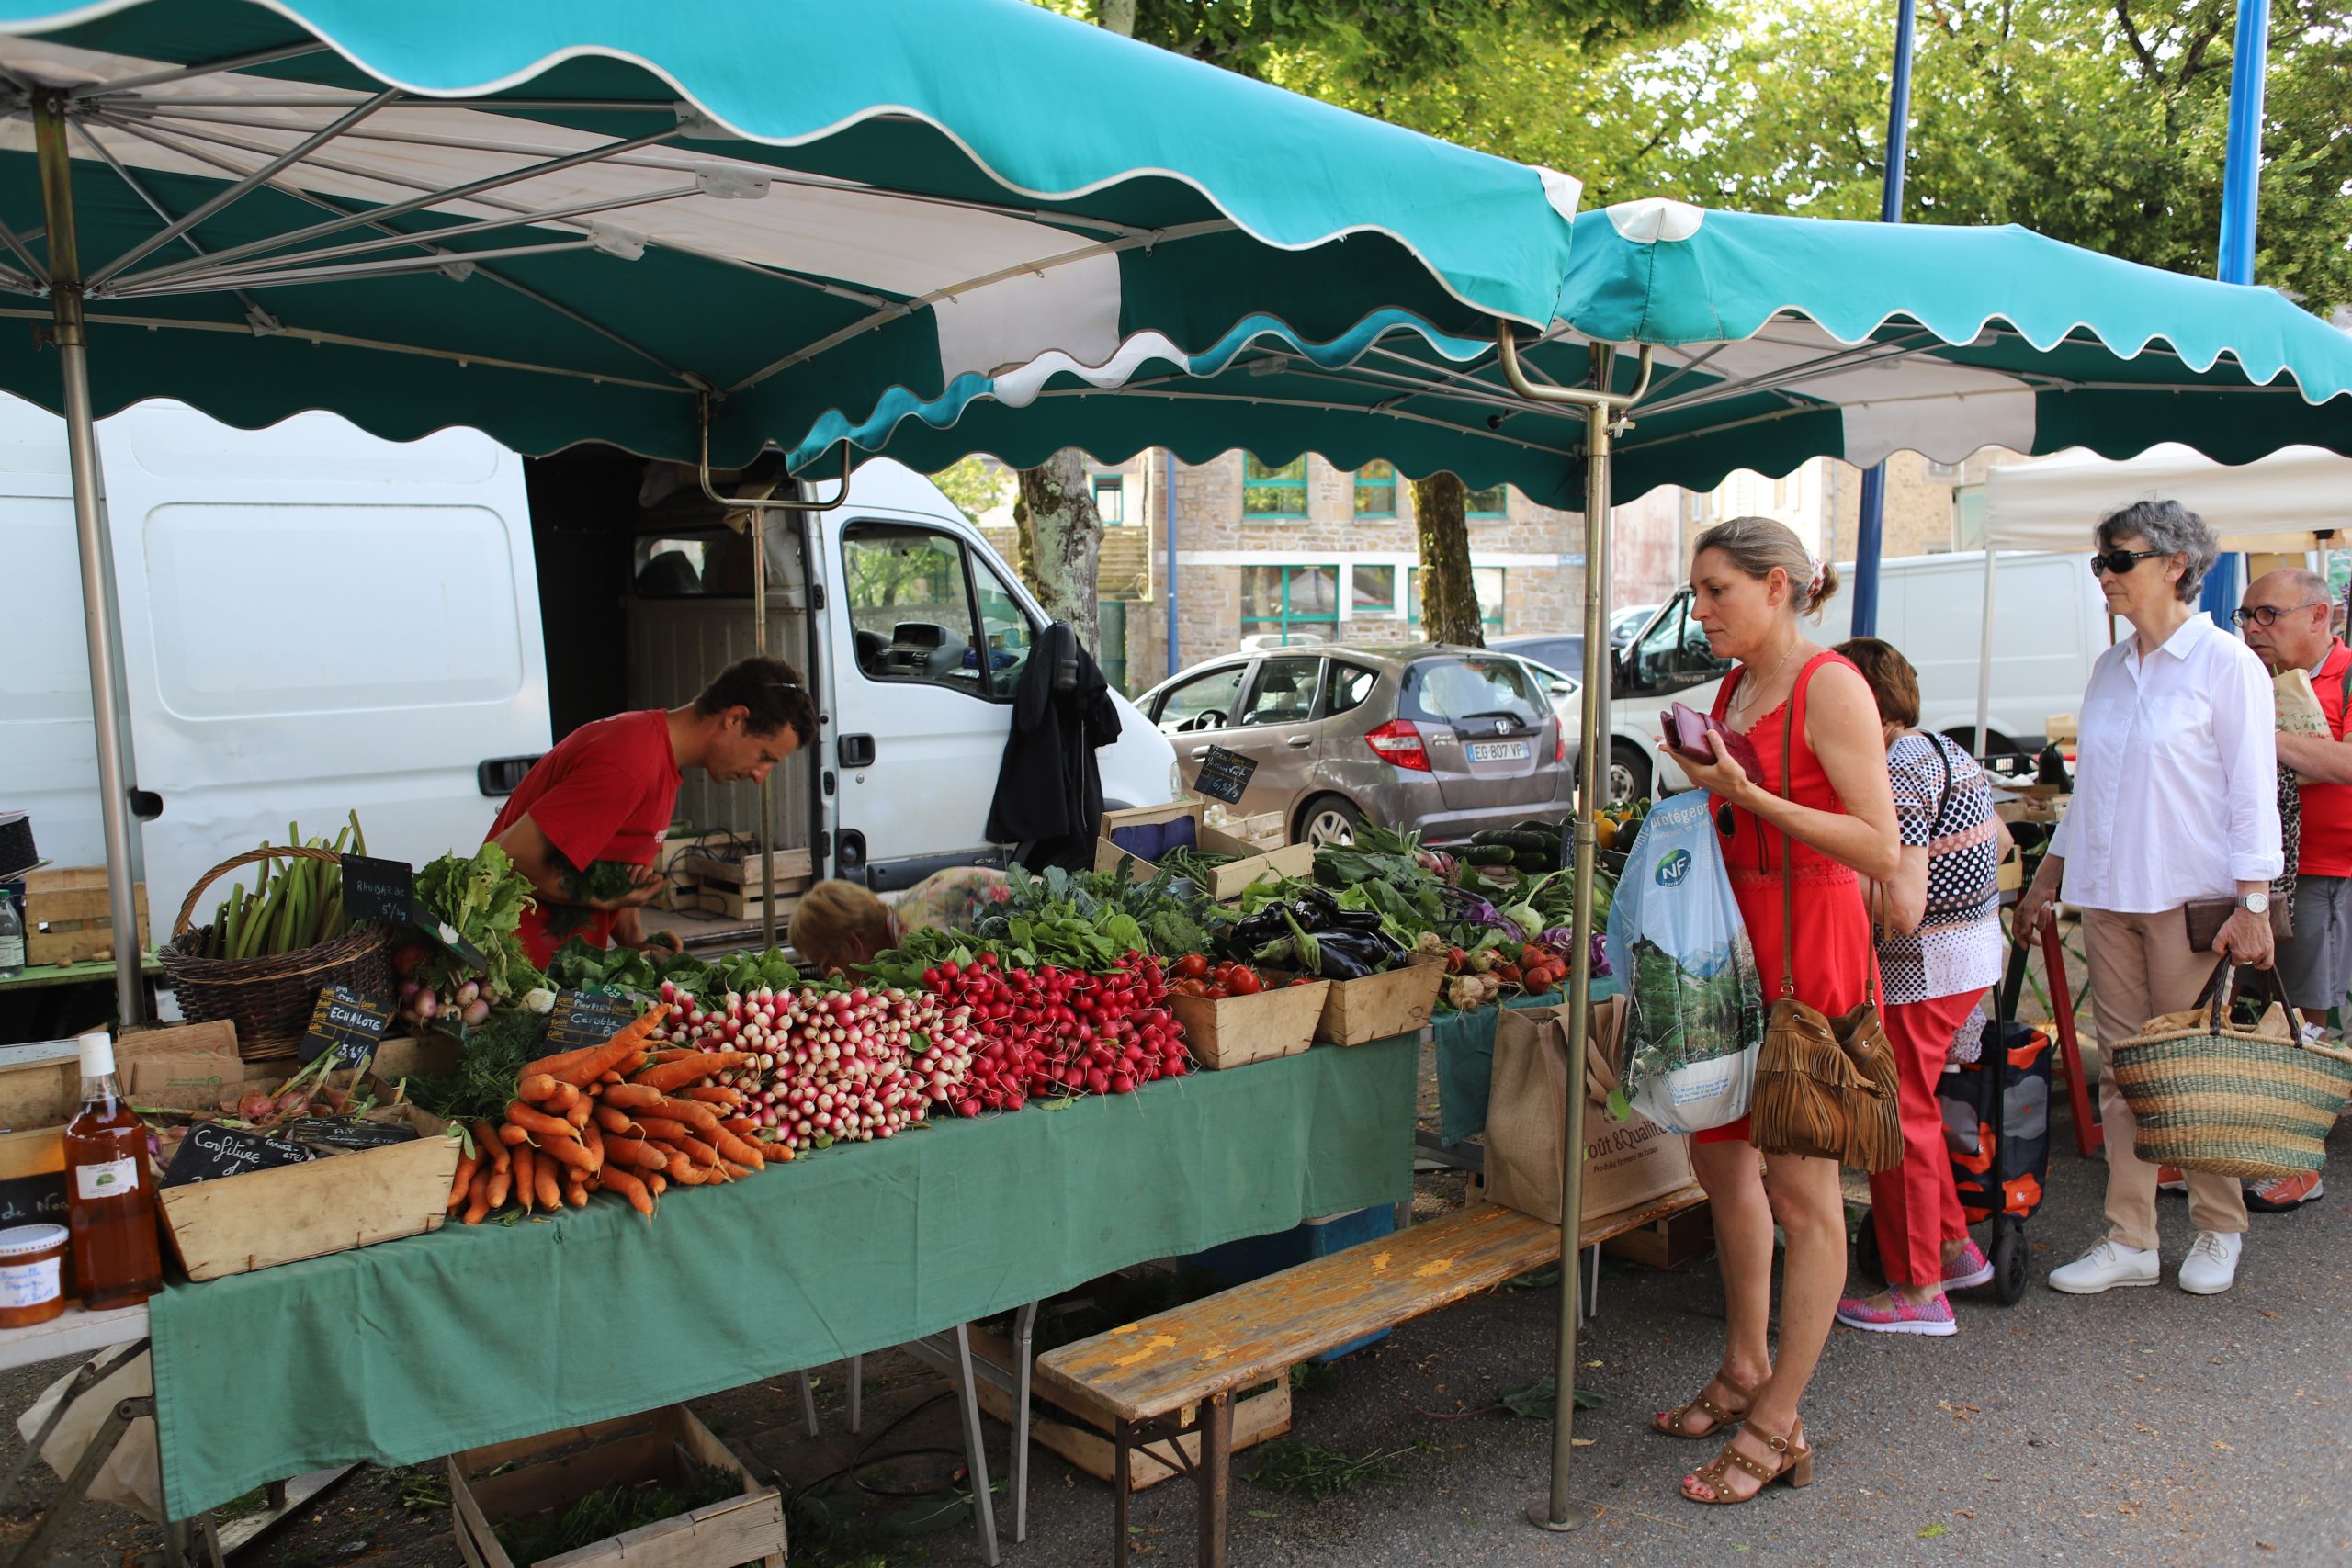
[
  {"x": 2210, "y": 1094},
  {"x": 270, "y": 998}
]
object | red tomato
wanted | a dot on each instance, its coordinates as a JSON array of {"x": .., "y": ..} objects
[
  {"x": 1244, "y": 983},
  {"x": 1193, "y": 965}
]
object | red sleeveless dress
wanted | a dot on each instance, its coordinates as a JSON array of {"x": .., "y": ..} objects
[{"x": 1835, "y": 952}]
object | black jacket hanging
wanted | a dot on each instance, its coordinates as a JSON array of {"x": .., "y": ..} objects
[{"x": 1048, "y": 790}]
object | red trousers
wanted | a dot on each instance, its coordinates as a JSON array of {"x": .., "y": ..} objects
[{"x": 1914, "y": 1205}]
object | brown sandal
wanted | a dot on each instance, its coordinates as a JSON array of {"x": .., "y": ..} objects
[
  {"x": 1793, "y": 1465},
  {"x": 1669, "y": 1422}
]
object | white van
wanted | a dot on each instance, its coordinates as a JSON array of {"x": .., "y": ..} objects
[
  {"x": 2049, "y": 624},
  {"x": 316, "y": 621}
]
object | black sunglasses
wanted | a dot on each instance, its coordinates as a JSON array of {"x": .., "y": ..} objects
[{"x": 2121, "y": 561}]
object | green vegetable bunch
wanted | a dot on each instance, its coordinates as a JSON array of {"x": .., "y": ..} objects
[
  {"x": 480, "y": 898},
  {"x": 288, "y": 909}
]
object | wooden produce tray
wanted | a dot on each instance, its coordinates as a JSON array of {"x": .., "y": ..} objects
[
  {"x": 1378, "y": 1005},
  {"x": 68, "y": 918},
  {"x": 1232, "y": 1031},
  {"x": 1077, "y": 1428},
  {"x": 742, "y": 888},
  {"x": 656, "y": 1446},
  {"x": 1227, "y": 881}
]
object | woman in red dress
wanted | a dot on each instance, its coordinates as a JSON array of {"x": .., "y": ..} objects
[{"x": 1751, "y": 578}]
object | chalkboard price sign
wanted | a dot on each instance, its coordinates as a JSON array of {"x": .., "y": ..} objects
[
  {"x": 33, "y": 1199},
  {"x": 209, "y": 1153},
  {"x": 1225, "y": 775},
  {"x": 581, "y": 1019},
  {"x": 346, "y": 1023},
  {"x": 347, "y": 1134},
  {"x": 379, "y": 890}
]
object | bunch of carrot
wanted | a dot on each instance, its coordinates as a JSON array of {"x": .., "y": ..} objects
[{"x": 625, "y": 1117}]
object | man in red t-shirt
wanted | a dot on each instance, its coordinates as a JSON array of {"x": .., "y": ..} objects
[
  {"x": 587, "y": 820},
  {"x": 2287, "y": 620}
]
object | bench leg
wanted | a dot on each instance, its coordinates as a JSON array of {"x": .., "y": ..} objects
[
  {"x": 1122, "y": 1438},
  {"x": 1215, "y": 1476}
]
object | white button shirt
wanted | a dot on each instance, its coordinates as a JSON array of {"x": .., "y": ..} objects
[{"x": 2176, "y": 778}]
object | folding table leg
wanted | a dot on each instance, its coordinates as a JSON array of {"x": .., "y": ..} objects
[
  {"x": 2090, "y": 1138},
  {"x": 808, "y": 1401},
  {"x": 856, "y": 1395},
  {"x": 1215, "y": 1476},
  {"x": 975, "y": 1449},
  {"x": 1024, "y": 1332},
  {"x": 1121, "y": 1446}
]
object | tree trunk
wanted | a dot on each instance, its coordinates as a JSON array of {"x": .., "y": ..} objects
[
  {"x": 1449, "y": 590},
  {"x": 1062, "y": 537},
  {"x": 1117, "y": 16}
]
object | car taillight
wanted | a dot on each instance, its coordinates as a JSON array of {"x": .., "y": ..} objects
[
  {"x": 1559, "y": 741},
  {"x": 1400, "y": 744}
]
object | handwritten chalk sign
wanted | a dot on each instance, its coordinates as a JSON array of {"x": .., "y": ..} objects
[
  {"x": 33, "y": 1199},
  {"x": 209, "y": 1153},
  {"x": 1225, "y": 775},
  {"x": 346, "y": 1023},
  {"x": 581, "y": 1019},
  {"x": 332, "y": 1134},
  {"x": 379, "y": 890}
]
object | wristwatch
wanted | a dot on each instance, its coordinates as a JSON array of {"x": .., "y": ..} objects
[{"x": 2255, "y": 903}]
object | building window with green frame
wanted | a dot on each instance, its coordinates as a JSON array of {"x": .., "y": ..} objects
[
  {"x": 1290, "y": 604},
  {"x": 1376, "y": 490},
  {"x": 1111, "y": 497},
  {"x": 1269, "y": 492},
  {"x": 1488, "y": 579},
  {"x": 1492, "y": 501}
]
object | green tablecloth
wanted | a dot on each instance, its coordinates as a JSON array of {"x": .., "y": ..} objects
[
  {"x": 476, "y": 1334},
  {"x": 1465, "y": 1059}
]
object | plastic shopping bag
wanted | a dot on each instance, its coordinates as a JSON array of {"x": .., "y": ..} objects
[{"x": 1694, "y": 1010}]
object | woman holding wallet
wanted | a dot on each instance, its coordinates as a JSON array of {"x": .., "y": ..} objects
[
  {"x": 2175, "y": 809},
  {"x": 1825, "y": 825}
]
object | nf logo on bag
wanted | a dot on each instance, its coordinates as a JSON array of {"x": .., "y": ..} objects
[{"x": 1672, "y": 868}]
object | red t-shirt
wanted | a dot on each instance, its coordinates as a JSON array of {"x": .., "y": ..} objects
[
  {"x": 606, "y": 791},
  {"x": 2327, "y": 808}
]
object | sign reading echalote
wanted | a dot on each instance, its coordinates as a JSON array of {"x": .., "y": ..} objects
[
  {"x": 346, "y": 1023},
  {"x": 1225, "y": 775},
  {"x": 347, "y": 1134},
  {"x": 581, "y": 1019},
  {"x": 209, "y": 1153},
  {"x": 380, "y": 890}
]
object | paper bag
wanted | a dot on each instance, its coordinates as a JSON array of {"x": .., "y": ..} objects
[
  {"x": 2299, "y": 709},
  {"x": 132, "y": 1476},
  {"x": 1626, "y": 1162}
]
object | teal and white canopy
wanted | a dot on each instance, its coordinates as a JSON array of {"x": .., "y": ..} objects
[
  {"x": 570, "y": 222},
  {"x": 1775, "y": 340}
]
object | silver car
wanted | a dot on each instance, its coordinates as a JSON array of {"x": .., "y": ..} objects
[{"x": 1448, "y": 740}]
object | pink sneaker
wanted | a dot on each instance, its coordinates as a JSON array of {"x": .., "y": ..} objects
[
  {"x": 1898, "y": 1317},
  {"x": 1970, "y": 1269}
]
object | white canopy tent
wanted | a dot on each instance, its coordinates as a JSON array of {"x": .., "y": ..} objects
[{"x": 2296, "y": 499}]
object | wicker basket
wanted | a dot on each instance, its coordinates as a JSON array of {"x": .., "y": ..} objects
[
  {"x": 2210, "y": 1094},
  {"x": 269, "y": 999}
]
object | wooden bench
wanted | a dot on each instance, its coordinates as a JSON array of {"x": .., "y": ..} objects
[{"x": 1175, "y": 1374}]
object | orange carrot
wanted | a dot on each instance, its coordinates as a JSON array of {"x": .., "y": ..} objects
[
  {"x": 674, "y": 1054},
  {"x": 663, "y": 1128},
  {"x": 551, "y": 1190},
  {"x": 559, "y": 1061},
  {"x": 736, "y": 1171},
  {"x": 537, "y": 1087},
  {"x": 683, "y": 1170},
  {"x": 501, "y": 1185},
  {"x": 613, "y": 1121},
  {"x": 558, "y": 1100},
  {"x": 635, "y": 1152},
  {"x": 729, "y": 1146},
  {"x": 578, "y": 1114},
  {"x": 608, "y": 1058},
  {"x": 591, "y": 1138},
  {"x": 632, "y": 1097},
  {"x": 741, "y": 1126},
  {"x": 512, "y": 1135},
  {"x": 608, "y": 1077},
  {"x": 526, "y": 1191},
  {"x": 576, "y": 1194},
  {"x": 630, "y": 1188},
  {"x": 714, "y": 1094},
  {"x": 678, "y": 1075},
  {"x": 463, "y": 1182},
  {"x": 478, "y": 1201},
  {"x": 570, "y": 1154},
  {"x": 494, "y": 1151},
  {"x": 703, "y": 1155},
  {"x": 656, "y": 1184},
  {"x": 691, "y": 1112},
  {"x": 539, "y": 1125}
]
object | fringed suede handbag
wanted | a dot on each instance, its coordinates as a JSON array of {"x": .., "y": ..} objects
[{"x": 1825, "y": 1087}]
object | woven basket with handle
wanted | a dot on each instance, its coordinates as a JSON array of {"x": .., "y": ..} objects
[
  {"x": 2210, "y": 1094},
  {"x": 269, "y": 999}
]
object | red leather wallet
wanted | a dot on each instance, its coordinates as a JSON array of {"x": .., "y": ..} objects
[{"x": 1687, "y": 730}]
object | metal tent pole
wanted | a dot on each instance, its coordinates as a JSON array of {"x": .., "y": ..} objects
[
  {"x": 1869, "y": 531},
  {"x": 1603, "y": 408},
  {"x": 97, "y": 606}
]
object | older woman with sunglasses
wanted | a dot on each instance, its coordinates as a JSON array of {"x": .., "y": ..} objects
[{"x": 2176, "y": 799}]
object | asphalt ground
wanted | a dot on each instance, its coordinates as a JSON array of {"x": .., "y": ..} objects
[{"x": 2144, "y": 1427}]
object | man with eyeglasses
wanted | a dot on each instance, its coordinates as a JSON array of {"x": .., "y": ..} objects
[{"x": 2287, "y": 620}]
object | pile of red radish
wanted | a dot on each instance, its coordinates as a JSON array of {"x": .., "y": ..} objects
[
  {"x": 1049, "y": 1032},
  {"x": 832, "y": 1066}
]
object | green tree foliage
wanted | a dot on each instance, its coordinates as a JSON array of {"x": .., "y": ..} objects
[{"x": 976, "y": 484}]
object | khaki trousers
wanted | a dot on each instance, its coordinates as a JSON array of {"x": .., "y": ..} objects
[{"x": 2143, "y": 965}]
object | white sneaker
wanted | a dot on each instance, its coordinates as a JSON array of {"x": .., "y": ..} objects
[
  {"x": 2106, "y": 1266},
  {"x": 2212, "y": 1266}
]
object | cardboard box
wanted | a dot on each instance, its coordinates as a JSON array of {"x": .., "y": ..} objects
[
  {"x": 511, "y": 1480},
  {"x": 1231, "y": 1032},
  {"x": 1227, "y": 880},
  {"x": 69, "y": 918},
  {"x": 41, "y": 1084}
]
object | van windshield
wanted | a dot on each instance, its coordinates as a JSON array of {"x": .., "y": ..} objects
[{"x": 1672, "y": 655}]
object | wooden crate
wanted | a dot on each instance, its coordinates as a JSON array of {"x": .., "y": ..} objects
[
  {"x": 1082, "y": 1438},
  {"x": 655, "y": 1446},
  {"x": 1398, "y": 1002},
  {"x": 68, "y": 918},
  {"x": 1666, "y": 1241},
  {"x": 263, "y": 1218},
  {"x": 1227, "y": 880},
  {"x": 743, "y": 888},
  {"x": 1230, "y": 1032},
  {"x": 41, "y": 1084}
]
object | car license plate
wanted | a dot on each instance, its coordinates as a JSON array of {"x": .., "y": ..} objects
[{"x": 1498, "y": 751}]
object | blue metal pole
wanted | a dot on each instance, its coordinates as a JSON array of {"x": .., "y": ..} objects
[
  {"x": 2241, "y": 165},
  {"x": 1869, "y": 531}
]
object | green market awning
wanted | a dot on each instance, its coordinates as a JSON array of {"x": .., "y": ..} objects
[
  {"x": 1775, "y": 340},
  {"x": 569, "y": 223}
]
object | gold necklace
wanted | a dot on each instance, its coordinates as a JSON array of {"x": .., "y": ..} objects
[{"x": 1748, "y": 690}]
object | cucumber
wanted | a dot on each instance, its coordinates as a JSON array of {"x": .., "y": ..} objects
[
  {"x": 1535, "y": 862},
  {"x": 1493, "y": 835},
  {"x": 1476, "y": 853},
  {"x": 1531, "y": 842}
]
